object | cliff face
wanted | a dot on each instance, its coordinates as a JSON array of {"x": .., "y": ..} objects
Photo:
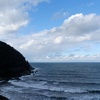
[{"x": 12, "y": 63}]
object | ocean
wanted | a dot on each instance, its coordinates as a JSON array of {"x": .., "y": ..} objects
[{"x": 56, "y": 81}]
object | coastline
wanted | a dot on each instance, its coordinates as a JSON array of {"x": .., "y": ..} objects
[{"x": 3, "y": 98}]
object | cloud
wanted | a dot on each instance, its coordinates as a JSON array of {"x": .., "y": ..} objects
[
  {"x": 12, "y": 20},
  {"x": 36, "y": 2},
  {"x": 74, "y": 58},
  {"x": 90, "y": 4},
  {"x": 71, "y": 55},
  {"x": 78, "y": 24},
  {"x": 14, "y": 14},
  {"x": 4, "y": 4},
  {"x": 59, "y": 14},
  {"x": 75, "y": 31},
  {"x": 58, "y": 40},
  {"x": 48, "y": 45},
  {"x": 26, "y": 45}
]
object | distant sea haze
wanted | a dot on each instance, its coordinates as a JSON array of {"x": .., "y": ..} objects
[{"x": 56, "y": 81}]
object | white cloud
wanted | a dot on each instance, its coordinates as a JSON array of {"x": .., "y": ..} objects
[
  {"x": 47, "y": 57},
  {"x": 59, "y": 14},
  {"x": 4, "y": 4},
  {"x": 80, "y": 24},
  {"x": 14, "y": 15},
  {"x": 35, "y": 2},
  {"x": 11, "y": 20},
  {"x": 76, "y": 31},
  {"x": 58, "y": 40},
  {"x": 90, "y": 4},
  {"x": 26, "y": 45},
  {"x": 73, "y": 58}
]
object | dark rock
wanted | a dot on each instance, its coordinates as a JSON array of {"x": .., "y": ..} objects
[
  {"x": 3, "y": 98},
  {"x": 12, "y": 63},
  {"x": 26, "y": 73}
]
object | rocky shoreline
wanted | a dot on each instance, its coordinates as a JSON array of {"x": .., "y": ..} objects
[
  {"x": 3, "y": 98},
  {"x": 12, "y": 64}
]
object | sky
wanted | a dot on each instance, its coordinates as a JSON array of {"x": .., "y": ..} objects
[{"x": 52, "y": 30}]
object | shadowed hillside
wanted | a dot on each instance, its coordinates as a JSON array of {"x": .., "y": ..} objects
[{"x": 12, "y": 63}]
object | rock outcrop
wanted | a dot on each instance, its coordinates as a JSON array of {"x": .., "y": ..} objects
[
  {"x": 3, "y": 98},
  {"x": 12, "y": 63}
]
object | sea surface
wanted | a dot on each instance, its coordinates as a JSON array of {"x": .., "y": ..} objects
[{"x": 56, "y": 81}]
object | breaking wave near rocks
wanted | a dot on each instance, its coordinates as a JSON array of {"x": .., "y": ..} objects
[{"x": 56, "y": 81}]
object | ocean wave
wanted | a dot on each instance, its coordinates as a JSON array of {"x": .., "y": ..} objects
[
  {"x": 44, "y": 86},
  {"x": 43, "y": 96},
  {"x": 57, "y": 82},
  {"x": 93, "y": 91},
  {"x": 42, "y": 90}
]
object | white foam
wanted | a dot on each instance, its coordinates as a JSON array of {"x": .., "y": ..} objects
[
  {"x": 11, "y": 88},
  {"x": 43, "y": 85},
  {"x": 88, "y": 97},
  {"x": 26, "y": 77},
  {"x": 75, "y": 90},
  {"x": 30, "y": 84}
]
